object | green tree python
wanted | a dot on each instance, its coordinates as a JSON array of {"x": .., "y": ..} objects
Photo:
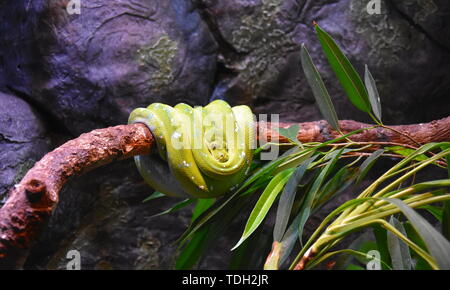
[{"x": 203, "y": 152}]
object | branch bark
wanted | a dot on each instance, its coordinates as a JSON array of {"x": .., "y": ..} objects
[{"x": 32, "y": 201}]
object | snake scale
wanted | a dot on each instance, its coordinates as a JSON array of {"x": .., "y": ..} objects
[{"x": 203, "y": 152}]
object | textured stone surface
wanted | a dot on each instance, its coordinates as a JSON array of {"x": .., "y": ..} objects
[
  {"x": 429, "y": 17},
  {"x": 90, "y": 70},
  {"x": 23, "y": 140},
  {"x": 74, "y": 73},
  {"x": 104, "y": 218},
  {"x": 262, "y": 57}
]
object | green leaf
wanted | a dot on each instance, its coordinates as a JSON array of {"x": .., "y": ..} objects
[
  {"x": 446, "y": 208},
  {"x": 318, "y": 88},
  {"x": 153, "y": 196},
  {"x": 346, "y": 257},
  {"x": 446, "y": 220},
  {"x": 268, "y": 168},
  {"x": 291, "y": 133},
  {"x": 437, "y": 245},
  {"x": 306, "y": 208},
  {"x": 295, "y": 160},
  {"x": 264, "y": 203},
  {"x": 259, "y": 183},
  {"x": 286, "y": 245},
  {"x": 202, "y": 205},
  {"x": 287, "y": 200},
  {"x": 227, "y": 201},
  {"x": 447, "y": 157},
  {"x": 354, "y": 267},
  {"x": 338, "y": 183},
  {"x": 293, "y": 229},
  {"x": 345, "y": 72},
  {"x": 193, "y": 251},
  {"x": 364, "y": 248},
  {"x": 380, "y": 234},
  {"x": 405, "y": 152},
  {"x": 367, "y": 164},
  {"x": 399, "y": 251},
  {"x": 372, "y": 91},
  {"x": 435, "y": 211},
  {"x": 223, "y": 204},
  {"x": 431, "y": 184},
  {"x": 248, "y": 255},
  {"x": 176, "y": 207},
  {"x": 204, "y": 238},
  {"x": 420, "y": 263},
  {"x": 360, "y": 255}
]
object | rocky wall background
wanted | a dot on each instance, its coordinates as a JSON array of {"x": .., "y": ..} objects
[{"x": 62, "y": 75}]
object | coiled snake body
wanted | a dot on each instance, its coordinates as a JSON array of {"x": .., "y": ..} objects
[{"x": 203, "y": 151}]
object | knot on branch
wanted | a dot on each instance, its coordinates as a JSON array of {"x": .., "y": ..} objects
[{"x": 34, "y": 190}]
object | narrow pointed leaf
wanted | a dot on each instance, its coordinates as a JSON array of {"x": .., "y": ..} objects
[
  {"x": 446, "y": 220},
  {"x": 435, "y": 211},
  {"x": 268, "y": 168},
  {"x": 212, "y": 213},
  {"x": 344, "y": 70},
  {"x": 406, "y": 152},
  {"x": 285, "y": 247},
  {"x": 190, "y": 255},
  {"x": 176, "y": 207},
  {"x": 264, "y": 203},
  {"x": 203, "y": 239},
  {"x": 360, "y": 255},
  {"x": 446, "y": 209},
  {"x": 202, "y": 205},
  {"x": 306, "y": 208},
  {"x": 346, "y": 259},
  {"x": 380, "y": 234},
  {"x": 154, "y": 195},
  {"x": 438, "y": 246},
  {"x": 353, "y": 267},
  {"x": 374, "y": 96},
  {"x": 248, "y": 255},
  {"x": 318, "y": 88},
  {"x": 399, "y": 251},
  {"x": 367, "y": 164},
  {"x": 420, "y": 263},
  {"x": 287, "y": 200},
  {"x": 338, "y": 183}
]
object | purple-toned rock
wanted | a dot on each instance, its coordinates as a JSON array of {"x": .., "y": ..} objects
[
  {"x": 91, "y": 69},
  {"x": 23, "y": 141},
  {"x": 407, "y": 55},
  {"x": 78, "y": 72}
]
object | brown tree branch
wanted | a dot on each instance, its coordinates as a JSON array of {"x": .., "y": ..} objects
[{"x": 32, "y": 201}]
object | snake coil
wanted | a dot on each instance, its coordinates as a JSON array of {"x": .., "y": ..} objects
[{"x": 203, "y": 151}]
